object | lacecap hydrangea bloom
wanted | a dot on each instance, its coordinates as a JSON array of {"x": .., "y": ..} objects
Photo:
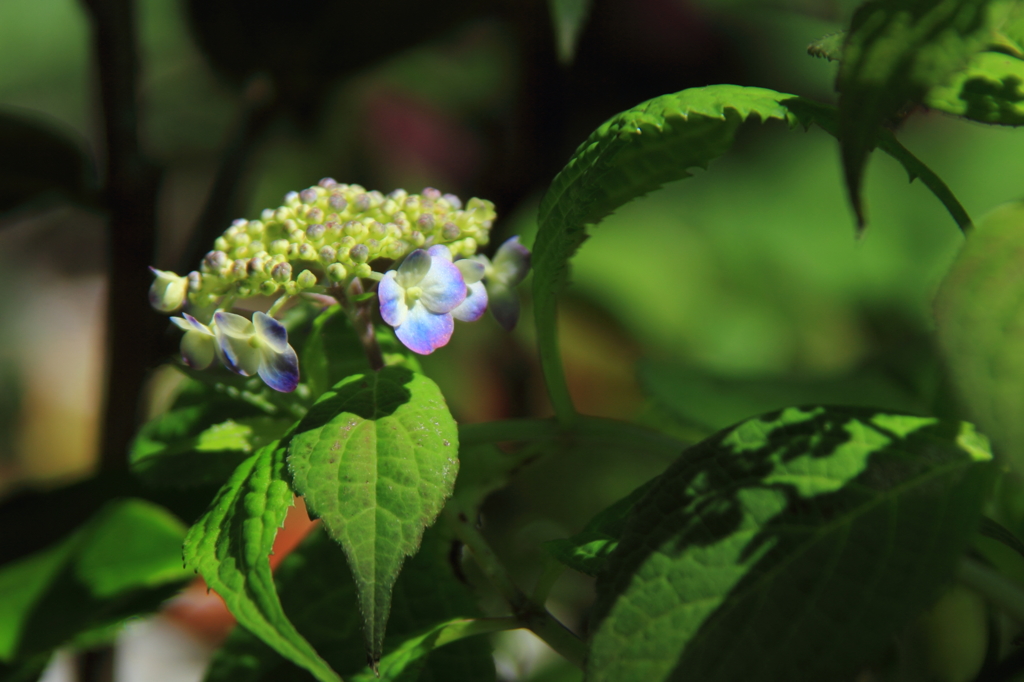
[{"x": 421, "y": 248}]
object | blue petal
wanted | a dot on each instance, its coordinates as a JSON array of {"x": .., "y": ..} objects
[
  {"x": 392, "y": 300},
  {"x": 233, "y": 333},
  {"x": 472, "y": 270},
  {"x": 424, "y": 331},
  {"x": 443, "y": 287},
  {"x": 440, "y": 251},
  {"x": 270, "y": 331},
  {"x": 504, "y": 305},
  {"x": 414, "y": 268},
  {"x": 280, "y": 370},
  {"x": 511, "y": 262},
  {"x": 472, "y": 309},
  {"x": 232, "y": 325}
]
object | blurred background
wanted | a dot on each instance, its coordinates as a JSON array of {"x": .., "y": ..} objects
[{"x": 739, "y": 290}]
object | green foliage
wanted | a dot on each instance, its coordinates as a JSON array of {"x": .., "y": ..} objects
[
  {"x": 988, "y": 90},
  {"x": 323, "y": 605},
  {"x": 769, "y": 551},
  {"x": 375, "y": 458},
  {"x": 569, "y": 18},
  {"x": 828, "y": 47},
  {"x": 996, "y": 531},
  {"x": 895, "y": 51},
  {"x": 122, "y": 562},
  {"x": 980, "y": 324},
  {"x": 37, "y": 161},
  {"x": 229, "y": 547},
  {"x": 202, "y": 439}
]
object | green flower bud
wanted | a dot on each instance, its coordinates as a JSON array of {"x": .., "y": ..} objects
[
  {"x": 363, "y": 270},
  {"x": 359, "y": 253},
  {"x": 450, "y": 231},
  {"x": 337, "y": 202},
  {"x": 327, "y": 254},
  {"x": 282, "y": 272},
  {"x": 279, "y": 246},
  {"x": 327, "y": 183},
  {"x": 337, "y": 272},
  {"x": 268, "y": 287},
  {"x": 168, "y": 290},
  {"x": 308, "y": 196},
  {"x": 255, "y": 228},
  {"x": 305, "y": 280},
  {"x": 315, "y": 232},
  {"x": 221, "y": 244},
  {"x": 307, "y": 252}
]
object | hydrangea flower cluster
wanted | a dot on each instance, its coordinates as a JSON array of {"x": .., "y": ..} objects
[{"x": 320, "y": 241}]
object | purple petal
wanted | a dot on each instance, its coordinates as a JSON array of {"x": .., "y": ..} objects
[
  {"x": 424, "y": 331},
  {"x": 197, "y": 349},
  {"x": 472, "y": 309},
  {"x": 511, "y": 262},
  {"x": 504, "y": 305},
  {"x": 392, "y": 300},
  {"x": 233, "y": 343},
  {"x": 440, "y": 251},
  {"x": 270, "y": 331},
  {"x": 194, "y": 324},
  {"x": 280, "y": 370},
  {"x": 443, "y": 287},
  {"x": 415, "y": 266}
]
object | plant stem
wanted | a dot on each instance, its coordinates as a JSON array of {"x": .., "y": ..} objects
[
  {"x": 528, "y": 614},
  {"x": 361, "y": 315},
  {"x": 998, "y": 589}
]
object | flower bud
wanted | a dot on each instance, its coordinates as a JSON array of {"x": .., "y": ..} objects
[
  {"x": 291, "y": 199},
  {"x": 255, "y": 228},
  {"x": 431, "y": 193},
  {"x": 168, "y": 290},
  {"x": 354, "y": 228},
  {"x": 215, "y": 261},
  {"x": 327, "y": 254},
  {"x": 306, "y": 252},
  {"x": 337, "y": 272},
  {"x": 267, "y": 214},
  {"x": 425, "y": 222},
  {"x": 315, "y": 232},
  {"x": 363, "y": 270},
  {"x": 221, "y": 244},
  {"x": 195, "y": 281},
  {"x": 455, "y": 202},
  {"x": 362, "y": 202},
  {"x": 240, "y": 269},
  {"x": 279, "y": 247},
  {"x": 268, "y": 287},
  {"x": 450, "y": 231},
  {"x": 337, "y": 202},
  {"x": 282, "y": 272},
  {"x": 315, "y": 215},
  {"x": 305, "y": 280},
  {"x": 377, "y": 230},
  {"x": 359, "y": 253},
  {"x": 307, "y": 196}
]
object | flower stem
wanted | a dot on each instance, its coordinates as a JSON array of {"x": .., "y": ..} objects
[
  {"x": 528, "y": 614},
  {"x": 361, "y": 315}
]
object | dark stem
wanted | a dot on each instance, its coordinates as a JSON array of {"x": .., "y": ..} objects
[
  {"x": 361, "y": 314},
  {"x": 259, "y": 108},
  {"x": 131, "y": 187},
  {"x": 95, "y": 665}
]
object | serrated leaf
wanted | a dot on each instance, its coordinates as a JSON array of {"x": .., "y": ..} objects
[
  {"x": 37, "y": 160},
  {"x": 203, "y": 442},
  {"x": 828, "y": 47},
  {"x": 588, "y": 550},
  {"x": 980, "y": 324},
  {"x": 375, "y": 459},
  {"x": 314, "y": 588},
  {"x": 789, "y": 547},
  {"x": 229, "y": 547},
  {"x": 988, "y": 90},
  {"x": 895, "y": 51},
  {"x": 568, "y": 18},
  {"x": 122, "y": 562}
]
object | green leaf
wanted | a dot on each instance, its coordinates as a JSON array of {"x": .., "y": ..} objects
[
  {"x": 828, "y": 47},
  {"x": 790, "y": 547},
  {"x": 202, "y": 441},
  {"x": 332, "y": 351},
  {"x": 631, "y": 154},
  {"x": 229, "y": 547},
  {"x": 588, "y": 550},
  {"x": 38, "y": 161},
  {"x": 375, "y": 458},
  {"x": 895, "y": 51},
  {"x": 1000, "y": 533},
  {"x": 314, "y": 589},
  {"x": 988, "y": 90},
  {"x": 122, "y": 562},
  {"x": 981, "y": 328},
  {"x": 568, "y": 17}
]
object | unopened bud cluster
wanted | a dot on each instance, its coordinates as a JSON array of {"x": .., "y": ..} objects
[{"x": 324, "y": 236}]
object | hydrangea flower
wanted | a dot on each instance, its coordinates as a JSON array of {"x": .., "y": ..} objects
[
  {"x": 199, "y": 344},
  {"x": 501, "y": 276},
  {"x": 473, "y": 308},
  {"x": 257, "y": 347},
  {"x": 418, "y": 298},
  {"x": 167, "y": 293}
]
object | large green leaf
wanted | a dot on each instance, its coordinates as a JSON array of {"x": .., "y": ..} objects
[
  {"x": 122, "y": 562},
  {"x": 229, "y": 547},
  {"x": 639, "y": 150},
  {"x": 37, "y": 160},
  {"x": 322, "y": 601},
  {"x": 895, "y": 51},
  {"x": 990, "y": 90},
  {"x": 375, "y": 458},
  {"x": 981, "y": 328},
  {"x": 201, "y": 441},
  {"x": 789, "y": 547}
]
